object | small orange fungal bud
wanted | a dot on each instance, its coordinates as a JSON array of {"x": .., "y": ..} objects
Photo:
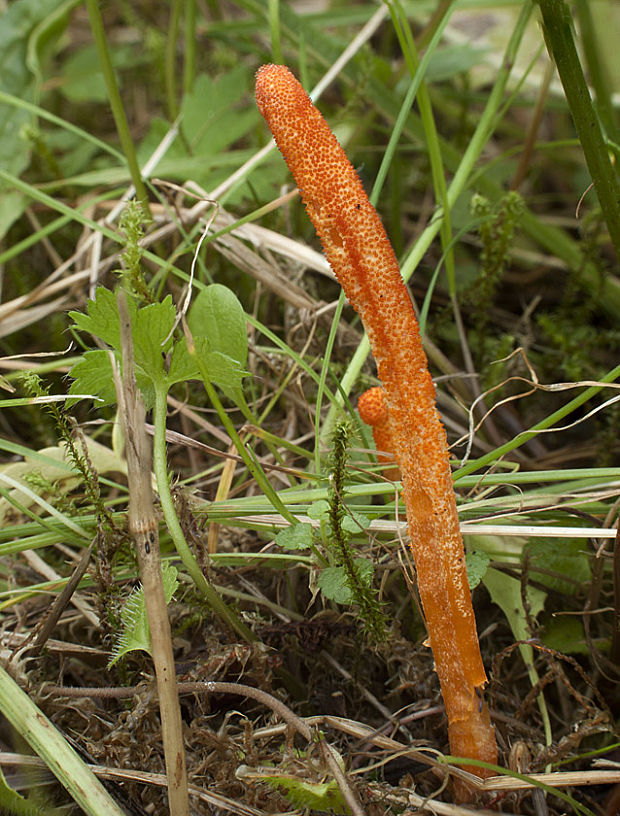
[{"x": 373, "y": 411}]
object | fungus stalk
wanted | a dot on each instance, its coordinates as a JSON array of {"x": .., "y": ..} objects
[{"x": 359, "y": 252}]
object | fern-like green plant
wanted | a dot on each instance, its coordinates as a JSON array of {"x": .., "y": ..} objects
[
  {"x": 496, "y": 230},
  {"x": 135, "y": 634},
  {"x": 13, "y": 804},
  {"x": 321, "y": 797},
  {"x": 352, "y": 572},
  {"x": 301, "y": 792}
]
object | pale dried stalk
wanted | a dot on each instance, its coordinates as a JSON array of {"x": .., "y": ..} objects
[{"x": 144, "y": 530}]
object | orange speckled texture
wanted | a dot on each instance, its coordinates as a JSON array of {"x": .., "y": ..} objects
[
  {"x": 373, "y": 411},
  {"x": 359, "y": 252}
]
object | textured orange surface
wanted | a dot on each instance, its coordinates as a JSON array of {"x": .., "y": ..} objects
[
  {"x": 373, "y": 411},
  {"x": 358, "y": 249}
]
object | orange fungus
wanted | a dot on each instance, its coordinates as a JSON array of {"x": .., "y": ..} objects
[{"x": 358, "y": 250}]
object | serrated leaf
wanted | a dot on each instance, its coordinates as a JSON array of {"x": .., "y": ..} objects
[
  {"x": 93, "y": 375},
  {"x": 334, "y": 584},
  {"x": 183, "y": 366},
  {"x": 477, "y": 563},
  {"x": 319, "y": 510},
  {"x": 564, "y": 557},
  {"x": 315, "y": 796},
  {"x": 101, "y": 318},
  {"x": 136, "y": 634},
  {"x": 13, "y": 803},
  {"x": 355, "y": 522},
  {"x": 296, "y": 537},
  {"x": 151, "y": 325}
]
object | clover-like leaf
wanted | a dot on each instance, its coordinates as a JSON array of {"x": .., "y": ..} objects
[{"x": 296, "y": 537}]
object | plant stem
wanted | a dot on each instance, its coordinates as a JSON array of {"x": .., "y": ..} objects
[
  {"x": 171, "y": 59},
  {"x": 597, "y": 69},
  {"x": 557, "y": 27},
  {"x": 54, "y": 750},
  {"x": 409, "y": 50},
  {"x": 122, "y": 127},
  {"x": 252, "y": 465},
  {"x": 190, "y": 37},
  {"x": 273, "y": 10},
  {"x": 160, "y": 467},
  {"x": 327, "y": 356},
  {"x": 144, "y": 530}
]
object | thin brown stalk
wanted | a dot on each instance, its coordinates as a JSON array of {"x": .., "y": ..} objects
[{"x": 144, "y": 530}]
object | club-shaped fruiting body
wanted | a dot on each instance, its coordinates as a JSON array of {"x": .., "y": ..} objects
[{"x": 358, "y": 250}]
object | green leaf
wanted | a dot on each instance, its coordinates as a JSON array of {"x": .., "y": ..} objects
[
  {"x": 505, "y": 591},
  {"x": 136, "y": 634},
  {"x": 218, "y": 325},
  {"x": 355, "y": 522},
  {"x": 334, "y": 584},
  {"x": 319, "y": 510},
  {"x": 217, "y": 315},
  {"x": 182, "y": 365},
  {"x": 102, "y": 318},
  {"x": 215, "y": 115},
  {"x": 566, "y": 635},
  {"x": 26, "y": 26},
  {"x": 477, "y": 563},
  {"x": 565, "y": 557},
  {"x": 12, "y": 204},
  {"x": 211, "y": 115},
  {"x": 13, "y": 804},
  {"x": 324, "y": 797},
  {"x": 82, "y": 78},
  {"x": 223, "y": 370},
  {"x": 151, "y": 325},
  {"x": 93, "y": 375},
  {"x": 365, "y": 570},
  {"x": 450, "y": 60},
  {"x": 295, "y": 537}
]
